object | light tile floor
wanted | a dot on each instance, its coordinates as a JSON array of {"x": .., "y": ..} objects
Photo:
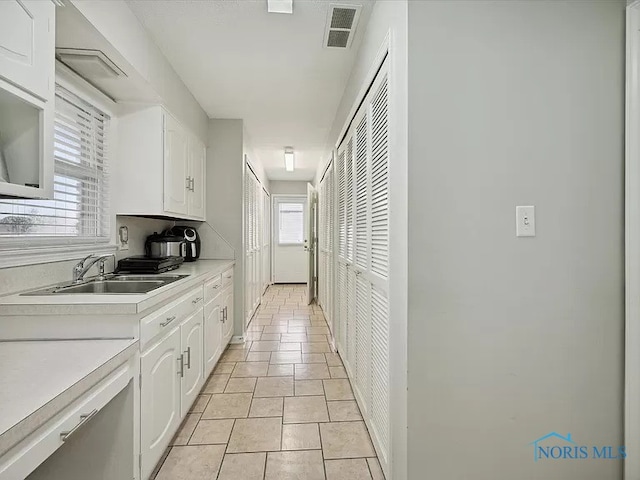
[{"x": 278, "y": 407}]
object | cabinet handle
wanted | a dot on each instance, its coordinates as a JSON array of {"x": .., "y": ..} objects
[
  {"x": 188, "y": 352},
  {"x": 215, "y": 287},
  {"x": 222, "y": 315},
  {"x": 192, "y": 183},
  {"x": 196, "y": 300},
  {"x": 188, "y": 183},
  {"x": 168, "y": 321},
  {"x": 181, "y": 362},
  {"x": 64, "y": 436},
  {"x": 228, "y": 276},
  {"x": 225, "y": 314}
]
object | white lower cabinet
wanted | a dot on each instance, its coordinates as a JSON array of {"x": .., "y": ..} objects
[
  {"x": 212, "y": 334},
  {"x": 191, "y": 333},
  {"x": 160, "y": 367},
  {"x": 175, "y": 363},
  {"x": 227, "y": 325}
]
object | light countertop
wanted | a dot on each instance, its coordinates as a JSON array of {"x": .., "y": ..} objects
[
  {"x": 40, "y": 378},
  {"x": 130, "y": 304}
]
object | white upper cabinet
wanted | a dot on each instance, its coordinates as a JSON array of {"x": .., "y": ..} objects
[
  {"x": 27, "y": 80},
  {"x": 161, "y": 166},
  {"x": 27, "y": 45},
  {"x": 197, "y": 159},
  {"x": 177, "y": 182}
]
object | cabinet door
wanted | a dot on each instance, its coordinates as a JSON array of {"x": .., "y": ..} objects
[
  {"x": 228, "y": 324},
  {"x": 176, "y": 176},
  {"x": 160, "y": 399},
  {"x": 197, "y": 157},
  {"x": 212, "y": 335},
  {"x": 27, "y": 44},
  {"x": 192, "y": 344}
]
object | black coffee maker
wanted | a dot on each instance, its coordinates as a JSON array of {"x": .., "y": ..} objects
[{"x": 191, "y": 240}]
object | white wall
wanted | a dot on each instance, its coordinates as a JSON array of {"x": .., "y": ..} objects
[
  {"x": 224, "y": 197},
  {"x": 280, "y": 187},
  {"x": 118, "y": 24},
  {"x": 515, "y": 103}
]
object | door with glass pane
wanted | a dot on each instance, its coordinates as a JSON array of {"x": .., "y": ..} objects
[{"x": 290, "y": 258}]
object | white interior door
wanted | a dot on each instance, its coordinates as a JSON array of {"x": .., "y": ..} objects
[
  {"x": 291, "y": 263},
  {"x": 311, "y": 242}
]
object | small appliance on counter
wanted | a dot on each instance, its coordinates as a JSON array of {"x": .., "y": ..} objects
[
  {"x": 141, "y": 264},
  {"x": 165, "y": 244},
  {"x": 191, "y": 240}
]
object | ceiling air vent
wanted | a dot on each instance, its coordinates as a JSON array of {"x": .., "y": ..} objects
[{"x": 341, "y": 25}]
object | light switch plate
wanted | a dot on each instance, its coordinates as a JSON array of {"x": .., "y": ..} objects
[{"x": 526, "y": 221}]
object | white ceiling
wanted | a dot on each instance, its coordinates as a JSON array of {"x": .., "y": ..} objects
[{"x": 271, "y": 70}]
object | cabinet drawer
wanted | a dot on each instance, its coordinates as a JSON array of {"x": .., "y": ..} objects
[
  {"x": 25, "y": 457},
  {"x": 169, "y": 316},
  {"x": 227, "y": 277},
  {"x": 212, "y": 288}
]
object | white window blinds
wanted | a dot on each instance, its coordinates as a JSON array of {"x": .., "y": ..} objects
[
  {"x": 78, "y": 212},
  {"x": 291, "y": 222}
]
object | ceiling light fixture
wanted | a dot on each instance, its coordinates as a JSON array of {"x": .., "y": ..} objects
[
  {"x": 280, "y": 6},
  {"x": 288, "y": 159}
]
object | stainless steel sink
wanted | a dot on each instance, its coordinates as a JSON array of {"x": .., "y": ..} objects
[
  {"x": 112, "y": 285},
  {"x": 145, "y": 278}
]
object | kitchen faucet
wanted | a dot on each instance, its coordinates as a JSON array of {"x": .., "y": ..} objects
[{"x": 83, "y": 266}]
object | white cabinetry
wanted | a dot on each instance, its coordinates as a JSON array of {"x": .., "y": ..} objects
[
  {"x": 177, "y": 183},
  {"x": 192, "y": 338},
  {"x": 197, "y": 157},
  {"x": 213, "y": 324},
  {"x": 227, "y": 307},
  {"x": 181, "y": 344},
  {"x": 160, "y": 368},
  {"x": 156, "y": 148},
  {"x": 171, "y": 373},
  {"x": 27, "y": 78},
  {"x": 27, "y": 43}
]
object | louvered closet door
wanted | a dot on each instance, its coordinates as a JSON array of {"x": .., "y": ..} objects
[
  {"x": 254, "y": 218},
  {"x": 331, "y": 217},
  {"x": 361, "y": 293},
  {"x": 247, "y": 242},
  {"x": 361, "y": 257},
  {"x": 379, "y": 225},
  {"x": 341, "y": 250}
]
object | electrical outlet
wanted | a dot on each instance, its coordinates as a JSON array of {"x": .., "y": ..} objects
[{"x": 124, "y": 238}]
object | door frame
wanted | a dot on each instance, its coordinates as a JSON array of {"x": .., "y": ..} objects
[
  {"x": 275, "y": 221},
  {"x": 312, "y": 242},
  {"x": 632, "y": 246}
]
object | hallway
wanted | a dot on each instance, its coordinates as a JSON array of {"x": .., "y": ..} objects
[{"x": 278, "y": 407}]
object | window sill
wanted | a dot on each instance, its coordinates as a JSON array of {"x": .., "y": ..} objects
[{"x": 61, "y": 253}]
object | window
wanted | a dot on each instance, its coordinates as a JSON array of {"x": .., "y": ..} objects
[
  {"x": 291, "y": 223},
  {"x": 79, "y": 212}
]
